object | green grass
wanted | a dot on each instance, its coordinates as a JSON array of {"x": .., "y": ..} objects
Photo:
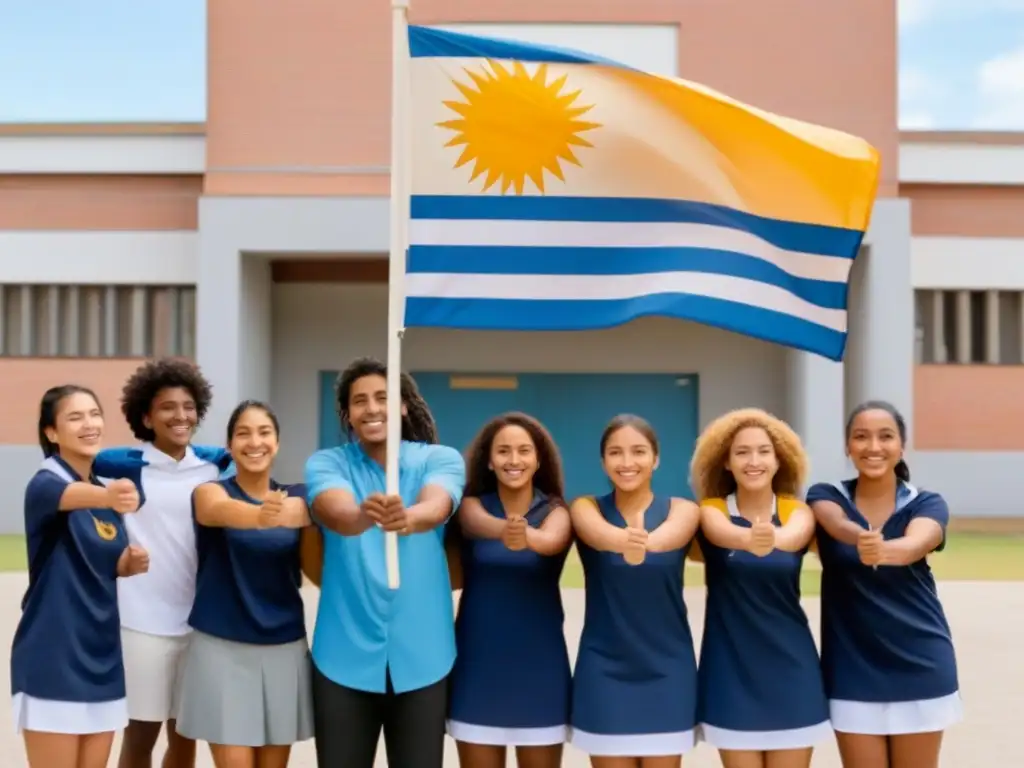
[
  {"x": 967, "y": 557},
  {"x": 13, "y": 556}
]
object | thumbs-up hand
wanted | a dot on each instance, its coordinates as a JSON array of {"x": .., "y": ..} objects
[
  {"x": 270, "y": 510},
  {"x": 123, "y": 496},
  {"x": 869, "y": 547},
  {"x": 635, "y": 550},
  {"x": 514, "y": 535},
  {"x": 762, "y": 538},
  {"x": 134, "y": 560}
]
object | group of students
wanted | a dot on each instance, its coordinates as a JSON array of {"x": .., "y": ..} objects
[{"x": 164, "y": 586}]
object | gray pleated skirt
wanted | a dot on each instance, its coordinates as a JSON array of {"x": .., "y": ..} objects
[{"x": 244, "y": 695}]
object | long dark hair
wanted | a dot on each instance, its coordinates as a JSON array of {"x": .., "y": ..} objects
[
  {"x": 49, "y": 407},
  {"x": 417, "y": 425},
  {"x": 548, "y": 478},
  {"x": 901, "y": 469}
]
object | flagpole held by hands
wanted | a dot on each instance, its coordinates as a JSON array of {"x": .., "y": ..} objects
[{"x": 400, "y": 191}]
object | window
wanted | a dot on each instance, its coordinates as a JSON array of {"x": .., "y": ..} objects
[
  {"x": 97, "y": 321},
  {"x": 969, "y": 327}
]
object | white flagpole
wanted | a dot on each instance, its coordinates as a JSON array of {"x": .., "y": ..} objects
[{"x": 400, "y": 189}]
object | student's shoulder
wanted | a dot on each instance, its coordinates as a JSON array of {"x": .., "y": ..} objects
[
  {"x": 213, "y": 454},
  {"x": 828, "y": 491},
  {"x": 716, "y": 503},
  {"x": 921, "y": 499},
  {"x": 587, "y": 502},
  {"x": 682, "y": 504},
  {"x": 786, "y": 505},
  {"x": 45, "y": 477},
  {"x": 337, "y": 454},
  {"x": 292, "y": 489},
  {"x": 119, "y": 462},
  {"x": 429, "y": 456}
]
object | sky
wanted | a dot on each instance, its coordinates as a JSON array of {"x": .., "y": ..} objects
[{"x": 961, "y": 62}]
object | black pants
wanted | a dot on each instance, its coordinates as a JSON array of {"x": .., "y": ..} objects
[{"x": 347, "y": 725}]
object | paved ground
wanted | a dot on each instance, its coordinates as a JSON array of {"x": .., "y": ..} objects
[{"x": 988, "y": 626}]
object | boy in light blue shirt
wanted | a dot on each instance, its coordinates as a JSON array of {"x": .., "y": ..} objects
[{"x": 381, "y": 657}]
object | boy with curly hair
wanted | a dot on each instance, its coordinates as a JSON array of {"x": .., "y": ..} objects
[{"x": 163, "y": 401}]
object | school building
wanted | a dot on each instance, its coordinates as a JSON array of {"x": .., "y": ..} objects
[{"x": 256, "y": 244}]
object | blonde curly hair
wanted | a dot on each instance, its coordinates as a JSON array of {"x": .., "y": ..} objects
[{"x": 709, "y": 477}]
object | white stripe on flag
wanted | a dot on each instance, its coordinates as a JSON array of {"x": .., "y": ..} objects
[
  {"x": 596, "y": 287},
  {"x": 614, "y": 234}
]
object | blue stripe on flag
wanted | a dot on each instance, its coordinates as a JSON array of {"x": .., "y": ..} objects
[
  {"x": 592, "y": 315},
  {"x": 526, "y": 260},
  {"x": 789, "y": 235},
  {"x": 425, "y": 42}
]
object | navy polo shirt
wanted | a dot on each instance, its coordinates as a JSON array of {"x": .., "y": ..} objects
[
  {"x": 884, "y": 635},
  {"x": 68, "y": 643},
  {"x": 248, "y": 582}
]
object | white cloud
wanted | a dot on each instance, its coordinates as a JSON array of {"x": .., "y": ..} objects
[{"x": 1000, "y": 84}]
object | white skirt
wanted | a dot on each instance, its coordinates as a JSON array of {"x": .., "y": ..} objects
[
  {"x": 78, "y": 718},
  {"x": 766, "y": 741},
  {"x": 896, "y": 718},
  {"x": 507, "y": 737},
  {"x": 633, "y": 745}
]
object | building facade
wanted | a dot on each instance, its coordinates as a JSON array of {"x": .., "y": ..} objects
[{"x": 256, "y": 243}]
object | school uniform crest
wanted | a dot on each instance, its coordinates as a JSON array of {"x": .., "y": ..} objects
[{"x": 106, "y": 531}]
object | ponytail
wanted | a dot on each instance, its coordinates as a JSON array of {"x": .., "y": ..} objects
[{"x": 902, "y": 471}]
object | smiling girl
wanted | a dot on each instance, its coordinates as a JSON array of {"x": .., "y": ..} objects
[
  {"x": 886, "y": 649},
  {"x": 635, "y": 686},
  {"x": 246, "y": 682},
  {"x": 516, "y": 536},
  {"x": 761, "y": 698},
  {"x": 67, "y": 677}
]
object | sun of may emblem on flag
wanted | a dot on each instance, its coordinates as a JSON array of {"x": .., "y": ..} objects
[{"x": 514, "y": 126}]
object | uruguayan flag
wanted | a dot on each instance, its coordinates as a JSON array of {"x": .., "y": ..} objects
[{"x": 552, "y": 190}]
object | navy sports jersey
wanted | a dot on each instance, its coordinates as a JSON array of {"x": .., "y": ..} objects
[
  {"x": 248, "y": 582},
  {"x": 68, "y": 643},
  {"x": 771, "y": 679},
  {"x": 884, "y": 635},
  {"x": 636, "y": 672},
  {"x": 511, "y": 608}
]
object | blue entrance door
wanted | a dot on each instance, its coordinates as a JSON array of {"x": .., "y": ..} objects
[{"x": 574, "y": 407}]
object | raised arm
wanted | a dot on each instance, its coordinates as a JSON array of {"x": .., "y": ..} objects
[
  {"x": 678, "y": 528},
  {"x": 926, "y": 533},
  {"x": 553, "y": 536},
  {"x": 720, "y": 530},
  {"x": 49, "y": 492},
  {"x": 797, "y": 531},
  {"x": 593, "y": 529},
  {"x": 443, "y": 481},
  {"x": 823, "y": 499},
  {"x": 215, "y": 509},
  {"x": 331, "y": 496},
  {"x": 476, "y": 522}
]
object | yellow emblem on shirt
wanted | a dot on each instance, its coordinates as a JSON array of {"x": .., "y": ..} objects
[{"x": 106, "y": 531}]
